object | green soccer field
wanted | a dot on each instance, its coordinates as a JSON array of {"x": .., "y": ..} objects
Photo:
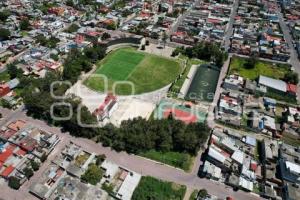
[{"x": 145, "y": 71}]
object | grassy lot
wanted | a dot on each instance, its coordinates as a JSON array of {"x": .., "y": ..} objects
[
  {"x": 291, "y": 139},
  {"x": 151, "y": 188},
  {"x": 269, "y": 69},
  {"x": 147, "y": 72},
  {"x": 179, "y": 160},
  {"x": 178, "y": 84},
  {"x": 4, "y": 76}
]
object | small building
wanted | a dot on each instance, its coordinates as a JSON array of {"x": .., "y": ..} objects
[
  {"x": 273, "y": 85},
  {"x": 106, "y": 109},
  {"x": 211, "y": 171},
  {"x": 4, "y": 89}
]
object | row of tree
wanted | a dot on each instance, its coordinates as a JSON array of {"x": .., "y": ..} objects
[
  {"x": 205, "y": 51},
  {"x": 139, "y": 135}
]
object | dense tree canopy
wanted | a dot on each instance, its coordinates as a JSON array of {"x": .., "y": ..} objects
[
  {"x": 4, "y": 15},
  {"x": 4, "y": 34},
  {"x": 291, "y": 77},
  {"x": 24, "y": 24},
  {"x": 139, "y": 135},
  {"x": 204, "y": 51}
]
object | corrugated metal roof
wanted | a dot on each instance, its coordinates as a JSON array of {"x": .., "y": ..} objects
[
  {"x": 273, "y": 83},
  {"x": 216, "y": 155}
]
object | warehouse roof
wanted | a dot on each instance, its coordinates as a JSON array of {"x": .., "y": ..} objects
[{"x": 273, "y": 83}]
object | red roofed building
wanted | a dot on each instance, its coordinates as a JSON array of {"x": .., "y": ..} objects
[
  {"x": 20, "y": 152},
  {"x": 106, "y": 108},
  {"x": 7, "y": 171},
  {"x": 6, "y": 153},
  {"x": 7, "y": 134},
  {"x": 56, "y": 10},
  {"x": 4, "y": 89},
  {"x": 214, "y": 21},
  {"x": 79, "y": 39},
  {"x": 28, "y": 144},
  {"x": 292, "y": 89},
  {"x": 17, "y": 125}
]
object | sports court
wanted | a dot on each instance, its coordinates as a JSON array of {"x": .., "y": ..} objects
[{"x": 186, "y": 112}]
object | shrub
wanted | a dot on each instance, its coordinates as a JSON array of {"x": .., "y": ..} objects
[
  {"x": 35, "y": 166},
  {"x": 28, "y": 172},
  {"x": 14, "y": 182}
]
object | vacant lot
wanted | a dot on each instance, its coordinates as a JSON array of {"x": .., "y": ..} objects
[
  {"x": 151, "y": 188},
  {"x": 176, "y": 159},
  {"x": 269, "y": 69},
  {"x": 146, "y": 72}
]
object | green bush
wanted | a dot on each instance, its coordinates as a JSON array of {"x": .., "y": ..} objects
[
  {"x": 92, "y": 175},
  {"x": 14, "y": 182},
  {"x": 34, "y": 165},
  {"x": 28, "y": 172}
]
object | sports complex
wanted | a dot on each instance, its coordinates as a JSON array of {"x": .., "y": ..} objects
[
  {"x": 180, "y": 111},
  {"x": 146, "y": 72}
]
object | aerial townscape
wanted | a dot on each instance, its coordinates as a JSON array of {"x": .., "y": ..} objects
[{"x": 149, "y": 99}]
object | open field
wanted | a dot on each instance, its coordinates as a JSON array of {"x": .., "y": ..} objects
[
  {"x": 204, "y": 84},
  {"x": 152, "y": 188},
  {"x": 175, "y": 159},
  {"x": 269, "y": 69},
  {"x": 147, "y": 72}
]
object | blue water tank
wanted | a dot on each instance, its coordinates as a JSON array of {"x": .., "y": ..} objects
[{"x": 261, "y": 124}]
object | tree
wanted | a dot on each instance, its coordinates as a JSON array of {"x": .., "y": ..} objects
[
  {"x": 251, "y": 62},
  {"x": 43, "y": 157},
  {"x": 34, "y": 165},
  {"x": 291, "y": 77},
  {"x": 14, "y": 182},
  {"x": 54, "y": 56},
  {"x": 72, "y": 28},
  {"x": 164, "y": 38},
  {"x": 28, "y": 172},
  {"x": 112, "y": 26},
  {"x": 202, "y": 193},
  {"x": 92, "y": 175},
  {"x": 14, "y": 72},
  {"x": 4, "y": 34},
  {"x": 4, "y": 15},
  {"x": 100, "y": 158},
  {"x": 24, "y": 24},
  {"x": 70, "y": 3},
  {"x": 105, "y": 36}
]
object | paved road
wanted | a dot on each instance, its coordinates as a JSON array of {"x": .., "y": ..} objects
[
  {"x": 229, "y": 31},
  {"x": 294, "y": 61},
  {"x": 288, "y": 38},
  {"x": 135, "y": 163}
]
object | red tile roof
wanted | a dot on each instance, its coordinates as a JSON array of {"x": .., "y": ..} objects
[
  {"x": 7, "y": 171},
  {"x": 292, "y": 88},
  {"x": 21, "y": 152},
  {"x": 214, "y": 21},
  {"x": 7, "y": 134},
  {"x": 5, "y": 154},
  {"x": 108, "y": 100}
]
